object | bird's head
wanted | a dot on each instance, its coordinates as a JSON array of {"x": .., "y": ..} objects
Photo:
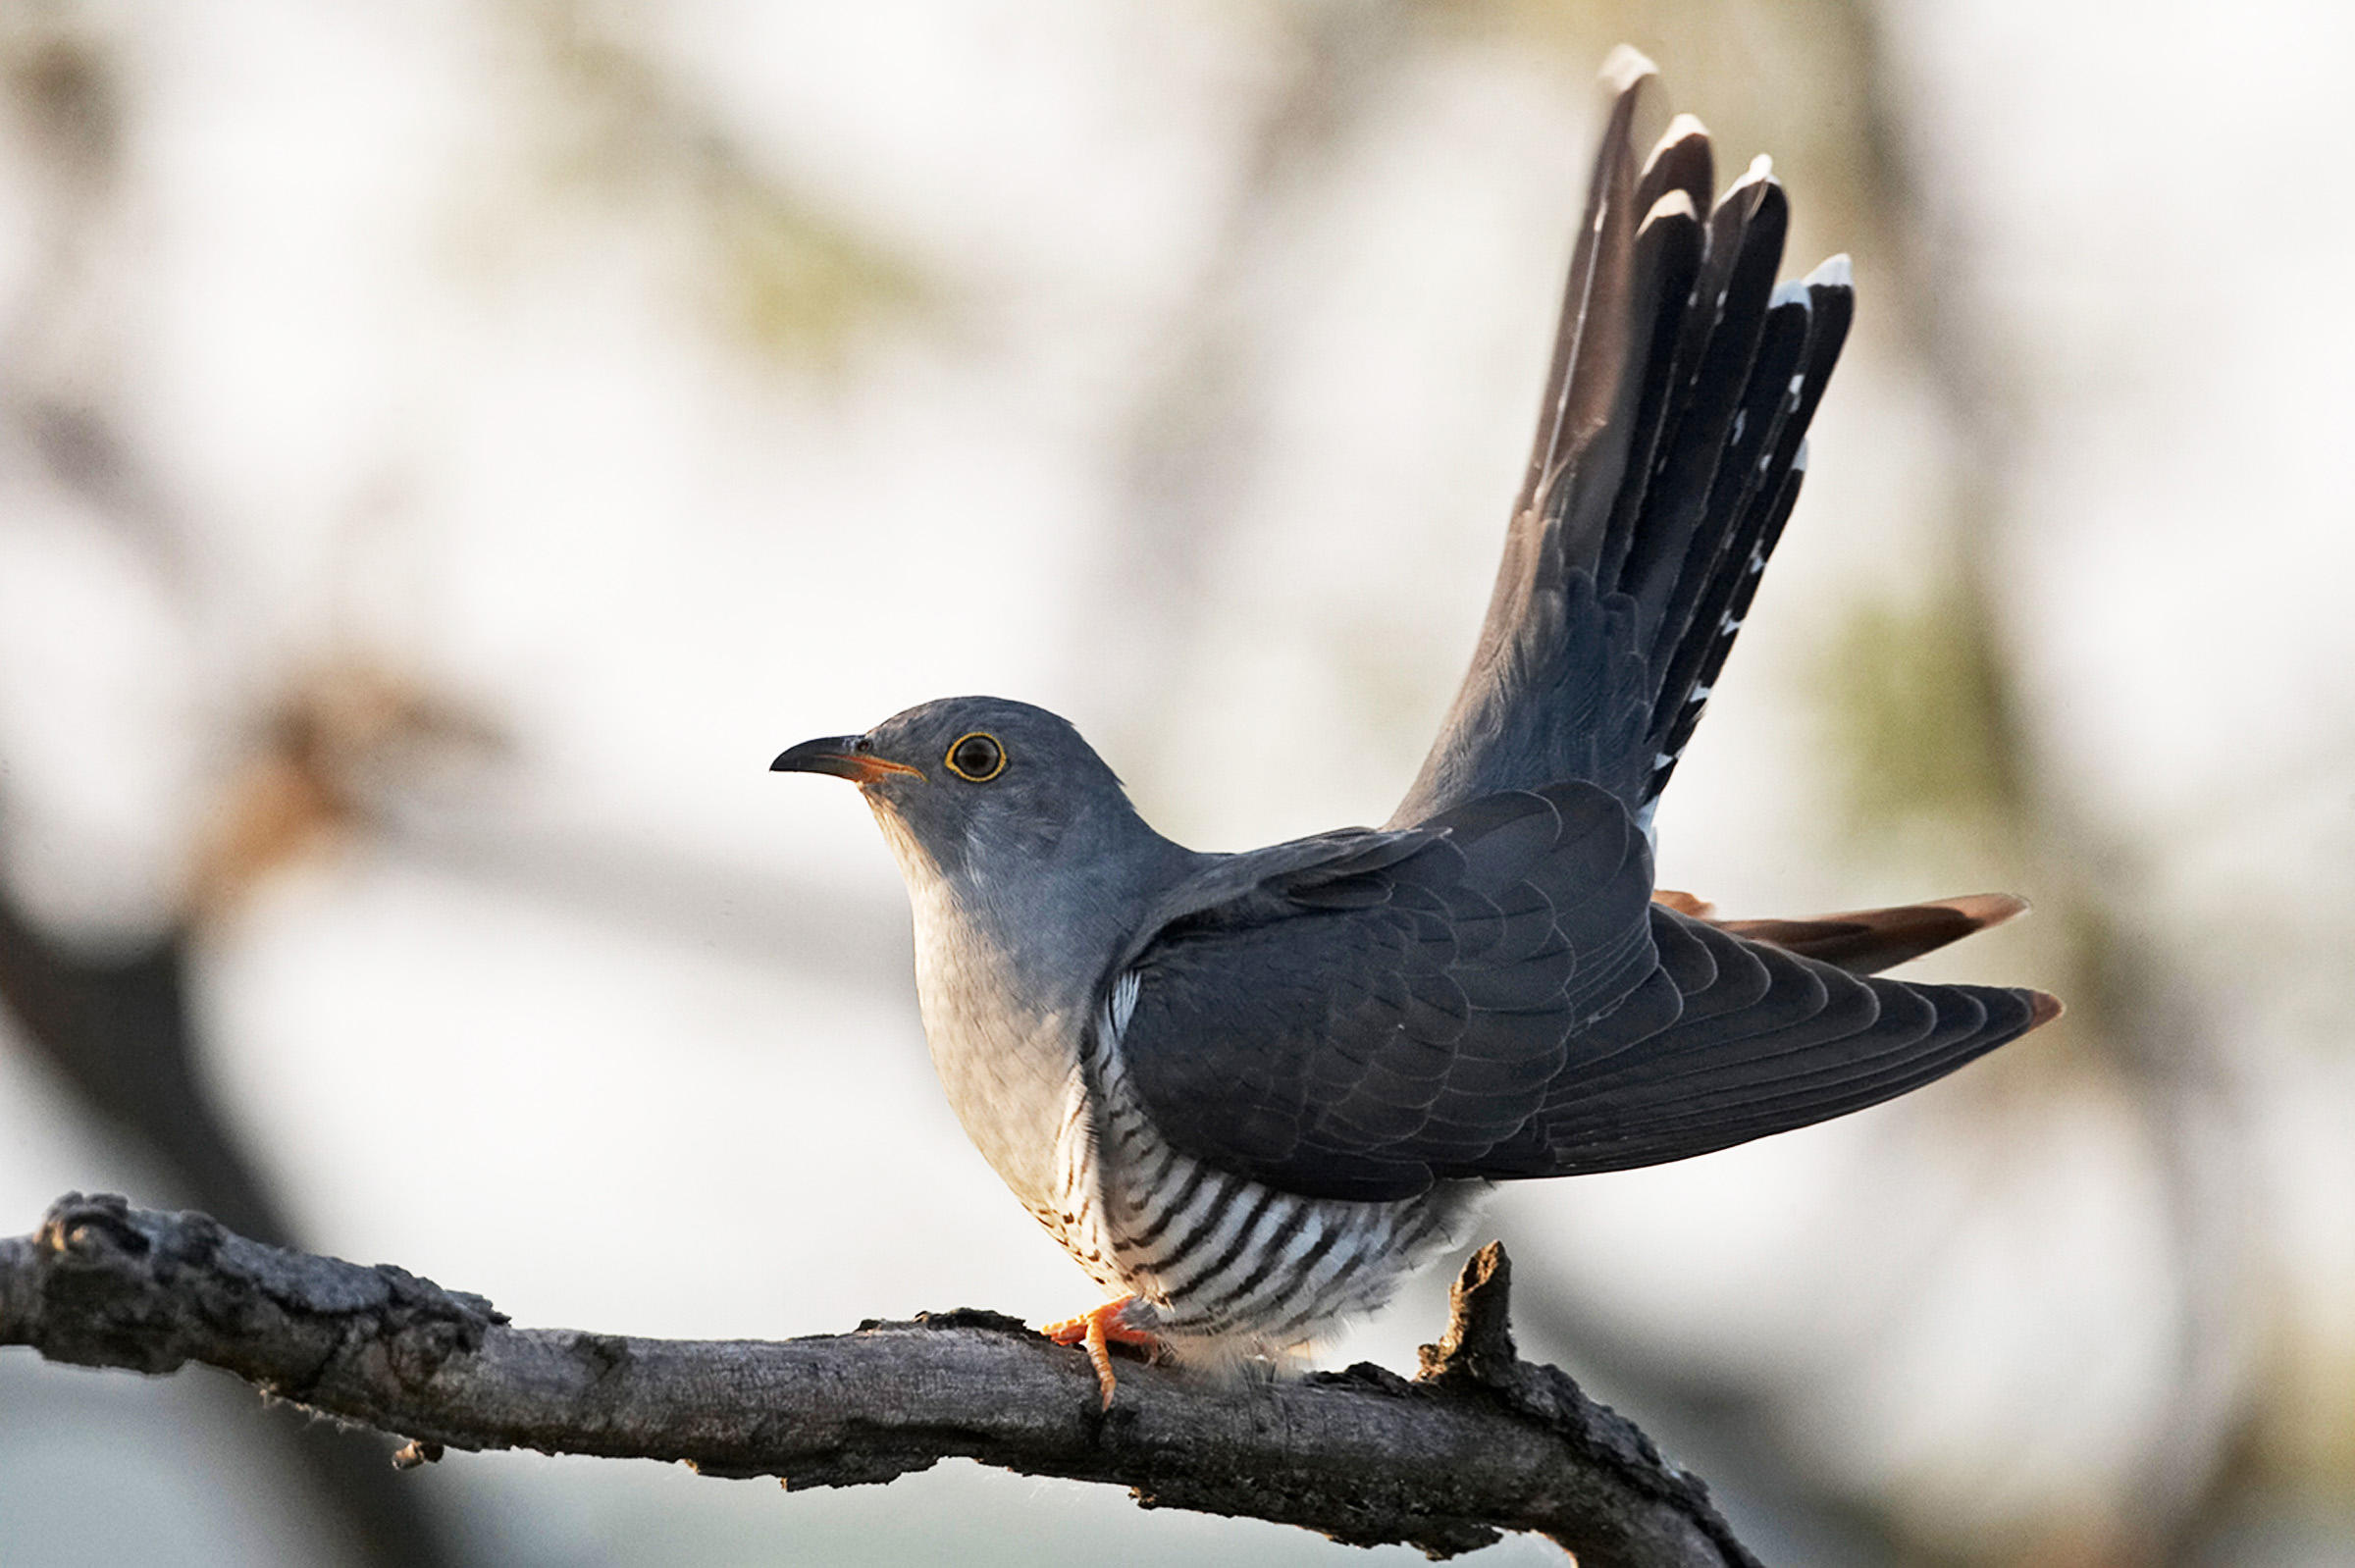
[{"x": 968, "y": 787}]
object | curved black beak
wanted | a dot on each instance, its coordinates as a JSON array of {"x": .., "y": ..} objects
[{"x": 850, "y": 756}]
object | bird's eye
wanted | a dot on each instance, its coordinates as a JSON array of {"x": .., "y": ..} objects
[{"x": 976, "y": 757}]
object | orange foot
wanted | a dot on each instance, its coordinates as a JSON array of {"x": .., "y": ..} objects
[{"x": 1099, "y": 1329}]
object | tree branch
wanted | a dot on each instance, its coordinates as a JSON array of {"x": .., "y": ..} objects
[{"x": 1478, "y": 1443}]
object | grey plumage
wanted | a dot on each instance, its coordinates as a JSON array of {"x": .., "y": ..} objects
[{"x": 1253, "y": 1089}]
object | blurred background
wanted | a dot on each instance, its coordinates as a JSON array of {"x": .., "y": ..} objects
[{"x": 447, "y": 448}]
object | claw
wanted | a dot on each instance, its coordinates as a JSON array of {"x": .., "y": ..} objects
[{"x": 1099, "y": 1329}]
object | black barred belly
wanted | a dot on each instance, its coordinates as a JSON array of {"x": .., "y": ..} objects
[{"x": 1221, "y": 1257}]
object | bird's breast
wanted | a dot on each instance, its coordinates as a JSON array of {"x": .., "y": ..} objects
[{"x": 1005, "y": 1050}]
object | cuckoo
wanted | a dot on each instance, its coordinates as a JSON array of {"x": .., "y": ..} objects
[{"x": 1249, "y": 1092}]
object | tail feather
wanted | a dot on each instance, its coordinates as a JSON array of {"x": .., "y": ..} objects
[
  {"x": 1864, "y": 941},
  {"x": 1667, "y": 459},
  {"x": 1710, "y": 381},
  {"x": 1591, "y": 338},
  {"x": 1676, "y": 246},
  {"x": 1868, "y": 941},
  {"x": 1723, "y": 531},
  {"x": 1681, "y": 160},
  {"x": 1735, "y": 575}
]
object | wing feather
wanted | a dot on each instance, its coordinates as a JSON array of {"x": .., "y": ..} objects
[{"x": 1332, "y": 1031}]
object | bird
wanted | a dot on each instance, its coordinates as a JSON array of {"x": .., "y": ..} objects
[{"x": 1251, "y": 1092}]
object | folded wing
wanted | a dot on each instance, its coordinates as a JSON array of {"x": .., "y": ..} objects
[{"x": 1498, "y": 997}]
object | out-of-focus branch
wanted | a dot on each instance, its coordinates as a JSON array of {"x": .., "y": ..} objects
[
  {"x": 116, "y": 1029},
  {"x": 1480, "y": 1442},
  {"x": 1196, "y": 433}
]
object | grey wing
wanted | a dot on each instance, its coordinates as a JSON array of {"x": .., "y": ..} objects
[
  {"x": 1347, "y": 1029},
  {"x": 1670, "y": 452},
  {"x": 1765, "y": 1040},
  {"x": 1499, "y": 998}
]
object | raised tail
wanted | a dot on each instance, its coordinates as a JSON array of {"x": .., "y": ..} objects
[{"x": 1670, "y": 452}]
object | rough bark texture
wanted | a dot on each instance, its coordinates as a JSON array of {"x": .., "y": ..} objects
[
  {"x": 120, "y": 1032},
  {"x": 1480, "y": 1442}
]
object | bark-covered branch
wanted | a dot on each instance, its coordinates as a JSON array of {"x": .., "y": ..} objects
[{"x": 1478, "y": 1443}]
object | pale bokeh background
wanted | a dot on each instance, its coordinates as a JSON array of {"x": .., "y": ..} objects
[{"x": 446, "y": 449}]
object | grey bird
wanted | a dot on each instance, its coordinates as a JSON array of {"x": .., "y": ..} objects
[{"x": 1248, "y": 1093}]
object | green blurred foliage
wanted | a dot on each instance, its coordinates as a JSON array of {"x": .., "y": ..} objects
[
  {"x": 773, "y": 269},
  {"x": 1917, "y": 698},
  {"x": 797, "y": 284}
]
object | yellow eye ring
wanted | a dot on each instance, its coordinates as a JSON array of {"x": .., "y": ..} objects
[{"x": 976, "y": 756}]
